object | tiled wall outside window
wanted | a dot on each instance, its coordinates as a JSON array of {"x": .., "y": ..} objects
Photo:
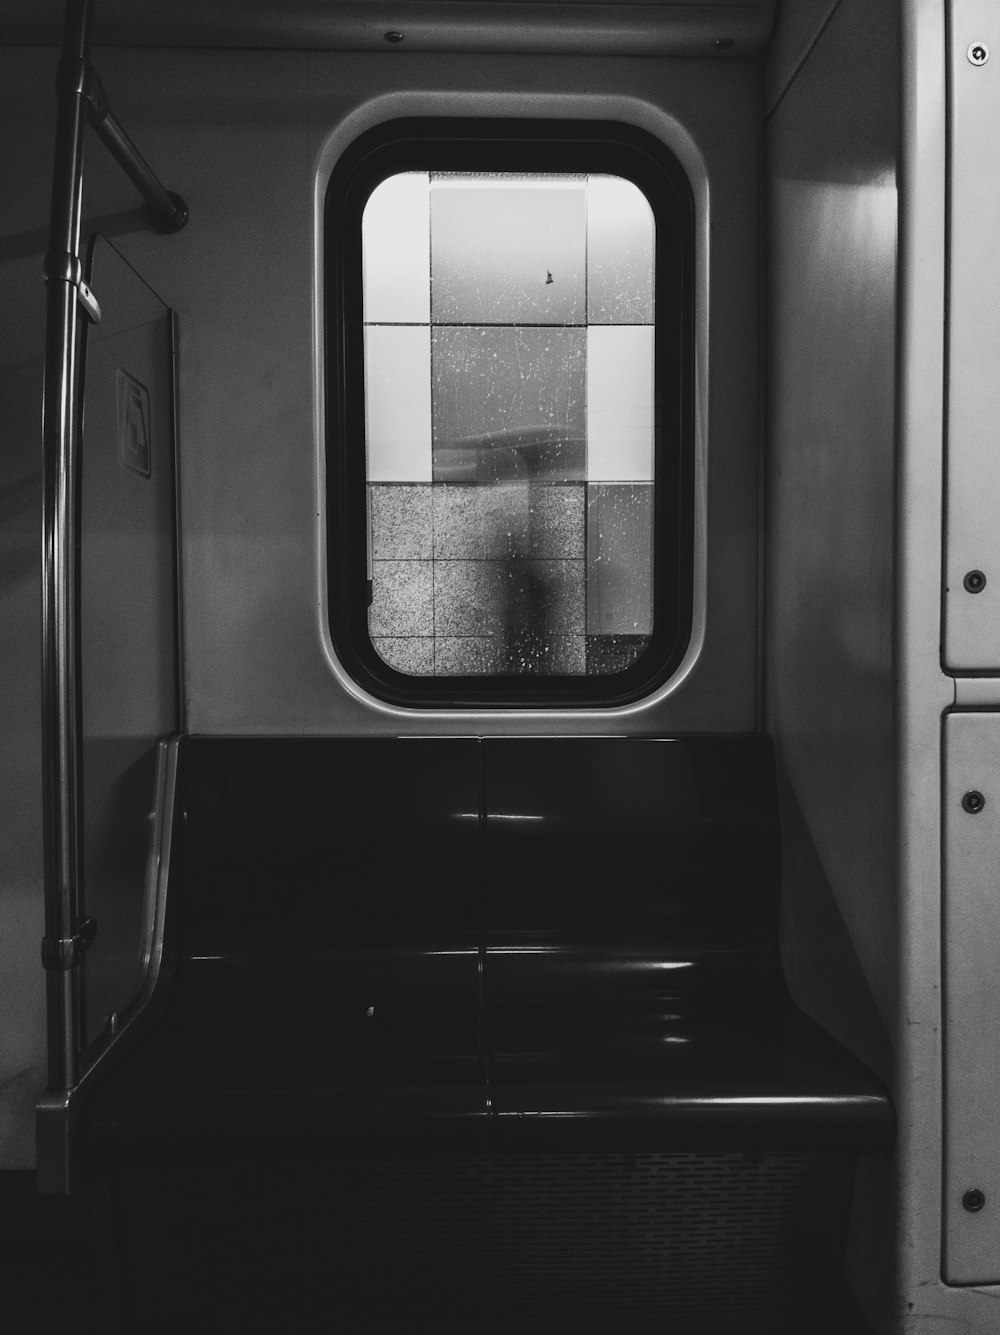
[{"x": 509, "y": 416}]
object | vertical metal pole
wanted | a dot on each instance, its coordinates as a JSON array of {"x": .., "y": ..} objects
[{"x": 60, "y": 686}]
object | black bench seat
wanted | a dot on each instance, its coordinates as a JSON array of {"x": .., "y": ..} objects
[
  {"x": 410, "y": 969},
  {"x": 526, "y": 939}
]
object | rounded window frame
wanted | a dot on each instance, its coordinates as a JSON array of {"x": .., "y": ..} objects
[{"x": 488, "y": 145}]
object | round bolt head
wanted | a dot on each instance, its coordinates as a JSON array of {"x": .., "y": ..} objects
[
  {"x": 974, "y": 1200},
  {"x": 974, "y": 581},
  {"x": 978, "y": 53},
  {"x": 973, "y": 802}
]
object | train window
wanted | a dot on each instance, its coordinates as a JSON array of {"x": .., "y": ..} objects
[{"x": 509, "y": 400}]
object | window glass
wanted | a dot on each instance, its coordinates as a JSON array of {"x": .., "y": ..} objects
[{"x": 510, "y": 423}]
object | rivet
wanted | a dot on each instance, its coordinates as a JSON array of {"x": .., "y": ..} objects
[
  {"x": 975, "y": 581},
  {"x": 978, "y": 53},
  {"x": 974, "y": 1200},
  {"x": 394, "y": 37},
  {"x": 973, "y": 802}
]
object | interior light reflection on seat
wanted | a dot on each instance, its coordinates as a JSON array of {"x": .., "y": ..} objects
[{"x": 495, "y": 815}]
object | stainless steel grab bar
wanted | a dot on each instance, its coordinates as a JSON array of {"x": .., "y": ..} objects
[{"x": 69, "y": 300}]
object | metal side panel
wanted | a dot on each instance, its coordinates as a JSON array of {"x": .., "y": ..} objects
[
  {"x": 971, "y": 931},
  {"x": 791, "y": 45},
  {"x": 128, "y": 613},
  {"x": 972, "y": 552}
]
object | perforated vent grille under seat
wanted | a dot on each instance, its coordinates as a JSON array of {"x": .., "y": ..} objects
[{"x": 720, "y": 1242}]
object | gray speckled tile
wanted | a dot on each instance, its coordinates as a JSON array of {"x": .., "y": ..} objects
[
  {"x": 412, "y": 655},
  {"x": 403, "y": 599},
  {"x": 607, "y": 654},
  {"x": 401, "y": 519},
  {"x": 547, "y": 655},
  {"x": 511, "y": 654},
  {"x": 469, "y": 655},
  {"x": 470, "y": 597},
  {"x": 487, "y": 597},
  {"x": 557, "y": 520},
  {"x": 547, "y": 596},
  {"x": 480, "y": 522},
  {"x": 490, "y": 522}
]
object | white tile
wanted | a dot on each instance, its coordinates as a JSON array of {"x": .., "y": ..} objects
[
  {"x": 620, "y": 233},
  {"x": 620, "y": 403},
  {"x": 398, "y": 402},
  {"x": 395, "y": 230}
]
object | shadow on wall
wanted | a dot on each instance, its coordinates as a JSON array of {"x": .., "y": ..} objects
[{"x": 820, "y": 960}]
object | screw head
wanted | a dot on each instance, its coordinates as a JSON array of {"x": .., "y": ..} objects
[
  {"x": 978, "y": 53},
  {"x": 722, "y": 43},
  {"x": 973, "y": 802},
  {"x": 393, "y": 37},
  {"x": 974, "y": 1200},
  {"x": 975, "y": 581}
]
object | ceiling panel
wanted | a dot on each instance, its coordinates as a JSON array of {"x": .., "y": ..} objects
[{"x": 697, "y": 27}]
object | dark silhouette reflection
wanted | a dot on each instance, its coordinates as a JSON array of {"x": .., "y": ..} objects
[
  {"x": 529, "y": 617},
  {"x": 534, "y": 606},
  {"x": 518, "y": 464}
]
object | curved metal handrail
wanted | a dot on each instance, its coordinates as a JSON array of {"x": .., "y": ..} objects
[
  {"x": 64, "y": 940},
  {"x": 69, "y": 301}
]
